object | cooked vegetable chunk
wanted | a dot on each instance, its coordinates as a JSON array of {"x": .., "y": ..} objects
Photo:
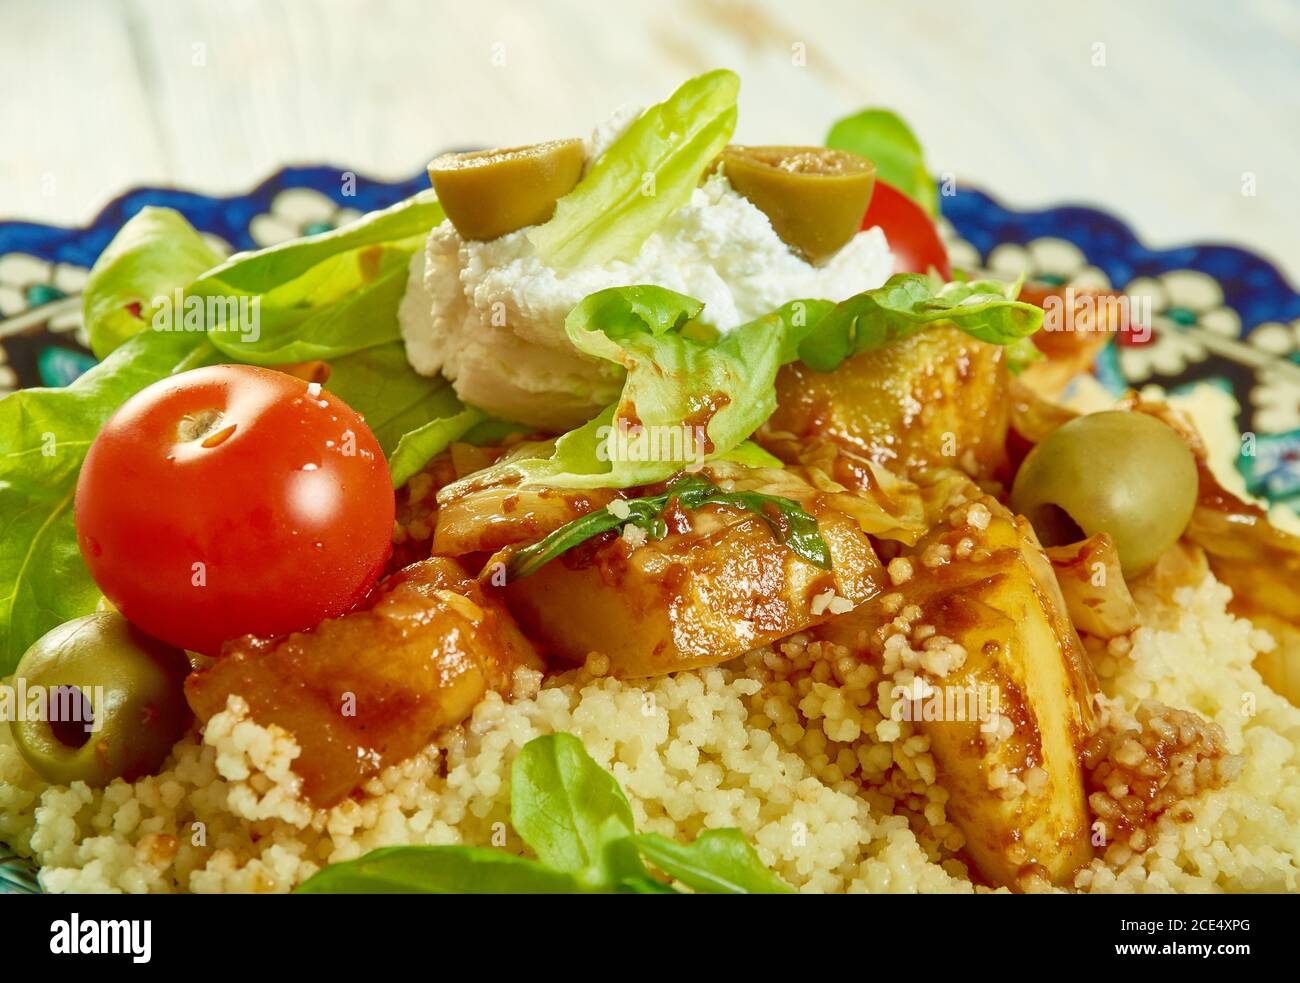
[
  {"x": 719, "y": 584},
  {"x": 975, "y": 607},
  {"x": 372, "y": 688},
  {"x": 937, "y": 398}
]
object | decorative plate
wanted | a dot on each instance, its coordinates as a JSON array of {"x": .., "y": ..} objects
[{"x": 1219, "y": 314}]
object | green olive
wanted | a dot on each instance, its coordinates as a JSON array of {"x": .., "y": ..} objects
[
  {"x": 488, "y": 193},
  {"x": 1125, "y": 474},
  {"x": 815, "y": 197},
  {"x": 111, "y": 701}
]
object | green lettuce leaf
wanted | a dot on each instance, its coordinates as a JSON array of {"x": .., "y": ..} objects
[
  {"x": 394, "y": 399},
  {"x": 418, "y": 447},
  {"x": 155, "y": 253},
  {"x": 648, "y": 172},
  {"x": 883, "y": 138},
  {"x": 677, "y": 376},
  {"x": 44, "y": 436},
  {"x": 908, "y": 303}
]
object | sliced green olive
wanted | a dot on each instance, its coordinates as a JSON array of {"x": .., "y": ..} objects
[
  {"x": 815, "y": 197},
  {"x": 1125, "y": 474},
  {"x": 109, "y": 701},
  {"x": 488, "y": 193}
]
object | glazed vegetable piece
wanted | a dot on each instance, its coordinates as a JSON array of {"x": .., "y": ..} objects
[
  {"x": 372, "y": 688},
  {"x": 1091, "y": 581},
  {"x": 937, "y": 398},
  {"x": 718, "y": 584},
  {"x": 489, "y": 193},
  {"x": 814, "y": 197},
  {"x": 113, "y": 701},
  {"x": 1124, "y": 474},
  {"x": 1000, "y": 603}
]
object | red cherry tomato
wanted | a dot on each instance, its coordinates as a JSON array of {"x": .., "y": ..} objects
[
  {"x": 233, "y": 500},
  {"x": 911, "y": 234}
]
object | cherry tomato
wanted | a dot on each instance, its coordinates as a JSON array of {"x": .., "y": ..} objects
[
  {"x": 233, "y": 500},
  {"x": 911, "y": 234}
]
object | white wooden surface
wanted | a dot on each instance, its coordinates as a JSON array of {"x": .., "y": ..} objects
[{"x": 99, "y": 95}]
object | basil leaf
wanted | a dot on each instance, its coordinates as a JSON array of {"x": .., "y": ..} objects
[
  {"x": 44, "y": 436},
  {"x": 570, "y": 811},
  {"x": 883, "y": 138},
  {"x": 153, "y": 254},
  {"x": 789, "y": 522},
  {"x": 647, "y": 173},
  {"x": 720, "y": 861},
  {"x": 440, "y": 870}
]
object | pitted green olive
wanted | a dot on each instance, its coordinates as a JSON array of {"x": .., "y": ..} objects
[
  {"x": 1125, "y": 474},
  {"x": 111, "y": 701},
  {"x": 488, "y": 193},
  {"x": 814, "y": 197}
]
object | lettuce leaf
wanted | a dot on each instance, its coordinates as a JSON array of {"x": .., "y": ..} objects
[
  {"x": 908, "y": 303},
  {"x": 153, "y": 254},
  {"x": 44, "y": 436},
  {"x": 677, "y": 377},
  {"x": 883, "y": 138},
  {"x": 648, "y": 172}
]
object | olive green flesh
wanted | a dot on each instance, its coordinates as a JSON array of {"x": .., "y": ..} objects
[
  {"x": 133, "y": 682},
  {"x": 813, "y": 196},
  {"x": 487, "y": 194},
  {"x": 1125, "y": 474}
]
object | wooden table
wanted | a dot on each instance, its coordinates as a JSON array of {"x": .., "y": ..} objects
[{"x": 1163, "y": 112}]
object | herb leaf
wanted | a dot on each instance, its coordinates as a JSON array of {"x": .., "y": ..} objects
[
  {"x": 573, "y": 815},
  {"x": 720, "y": 861},
  {"x": 789, "y": 522},
  {"x": 570, "y": 811},
  {"x": 441, "y": 870},
  {"x": 883, "y": 138}
]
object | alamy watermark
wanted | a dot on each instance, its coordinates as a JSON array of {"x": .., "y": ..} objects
[
  {"x": 923, "y": 701},
  {"x": 1089, "y": 310},
  {"x": 21, "y": 703},
  {"x": 636, "y": 442},
  {"x": 217, "y": 312}
]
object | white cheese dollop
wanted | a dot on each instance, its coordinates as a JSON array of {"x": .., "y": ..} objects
[{"x": 490, "y": 315}]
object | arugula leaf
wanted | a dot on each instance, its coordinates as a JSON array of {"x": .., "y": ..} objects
[
  {"x": 789, "y": 522},
  {"x": 647, "y": 173},
  {"x": 720, "y": 861},
  {"x": 570, "y": 811},
  {"x": 155, "y": 252},
  {"x": 440, "y": 870},
  {"x": 44, "y": 436},
  {"x": 908, "y": 303},
  {"x": 883, "y": 138}
]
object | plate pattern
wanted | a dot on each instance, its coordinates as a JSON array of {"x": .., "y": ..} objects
[{"x": 1221, "y": 314}]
